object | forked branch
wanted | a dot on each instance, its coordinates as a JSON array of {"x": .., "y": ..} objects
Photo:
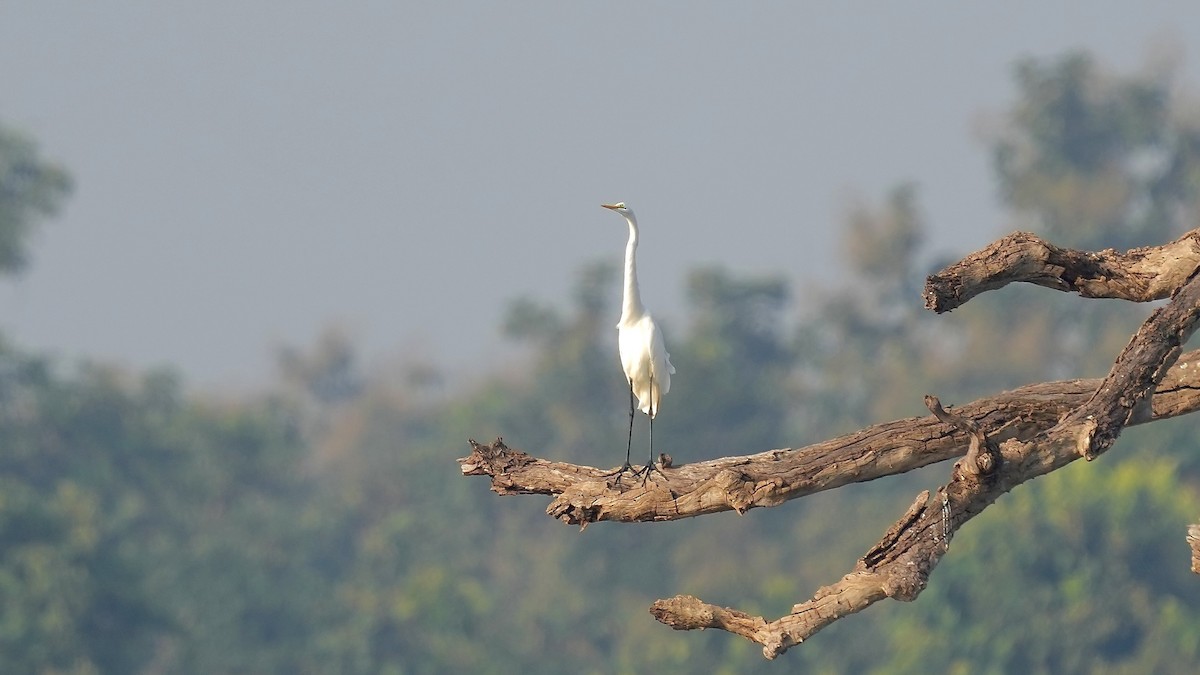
[
  {"x": 1010, "y": 438},
  {"x": 899, "y": 565},
  {"x": 585, "y": 494}
]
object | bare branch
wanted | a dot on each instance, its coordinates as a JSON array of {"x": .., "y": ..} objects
[
  {"x": 1011, "y": 438},
  {"x": 584, "y": 495},
  {"x": 900, "y": 564},
  {"x": 902, "y": 579},
  {"x": 1139, "y": 275}
]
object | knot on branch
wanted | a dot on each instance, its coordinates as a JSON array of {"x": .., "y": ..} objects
[
  {"x": 737, "y": 487},
  {"x": 574, "y": 509},
  {"x": 983, "y": 457},
  {"x": 1085, "y": 442}
]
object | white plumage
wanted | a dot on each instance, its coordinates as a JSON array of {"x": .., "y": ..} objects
[
  {"x": 644, "y": 356},
  {"x": 645, "y": 360}
]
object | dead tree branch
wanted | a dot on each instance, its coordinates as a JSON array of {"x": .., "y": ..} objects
[
  {"x": 584, "y": 494},
  {"x": 899, "y": 565},
  {"x": 1140, "y": 274},
  {"x": 1011, "y": 438}
]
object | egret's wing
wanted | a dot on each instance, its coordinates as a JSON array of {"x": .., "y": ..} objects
[{"x": 660, "y": 360}]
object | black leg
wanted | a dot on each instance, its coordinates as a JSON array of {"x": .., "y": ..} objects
[
  {"x": 629, "y": 444},
  {"x": 645, "y": 471},
  {"x": 619, "y": 473},
  {"x": 650, "y": 462}
]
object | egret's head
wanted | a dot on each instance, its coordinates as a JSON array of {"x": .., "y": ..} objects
[{"x": 620, "y": 208}]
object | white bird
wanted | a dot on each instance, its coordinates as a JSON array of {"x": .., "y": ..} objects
[{"x": 644, "y": 356}]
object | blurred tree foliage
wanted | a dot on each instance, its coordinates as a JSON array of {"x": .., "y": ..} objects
[
  {"x": 325, "y": 528},
  {"x": 1096, "y": 160},
  {"x": 31, "y": 188}
]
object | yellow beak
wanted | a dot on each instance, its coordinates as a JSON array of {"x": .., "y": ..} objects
[{"x": 610, "y": 206}]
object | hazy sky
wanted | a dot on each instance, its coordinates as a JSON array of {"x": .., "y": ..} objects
[{"x": 248, "y": 173}]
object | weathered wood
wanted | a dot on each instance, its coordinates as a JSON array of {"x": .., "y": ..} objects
[
  {"x": 1011, "y": 438},
  {"x": 982, "y": 455},
  {"x": 899, "y": 565},
  {"x": 585, "y": 494},
  {"x": 1193, "y": 539},
  {"x": 1139, "y": 275}
]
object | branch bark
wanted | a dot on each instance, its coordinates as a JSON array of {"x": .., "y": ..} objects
[
  {"x": 899, "y": 565},
  {"x": 1193, "y": 539},
  {"x": 1012, "y": 438},
  {"x": 1139, "y": 275},
  {"x": 585, "y": 494}
]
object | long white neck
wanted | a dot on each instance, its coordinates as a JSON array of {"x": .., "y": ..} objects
[{"x": 631, "y": 307}]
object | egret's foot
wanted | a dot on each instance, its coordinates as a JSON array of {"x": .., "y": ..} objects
[
  {"x": 645, "y": 472},
  {"x": 620, "y": 473}
]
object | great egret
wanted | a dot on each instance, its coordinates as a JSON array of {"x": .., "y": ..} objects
[{"x": 644, "y": 356}]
